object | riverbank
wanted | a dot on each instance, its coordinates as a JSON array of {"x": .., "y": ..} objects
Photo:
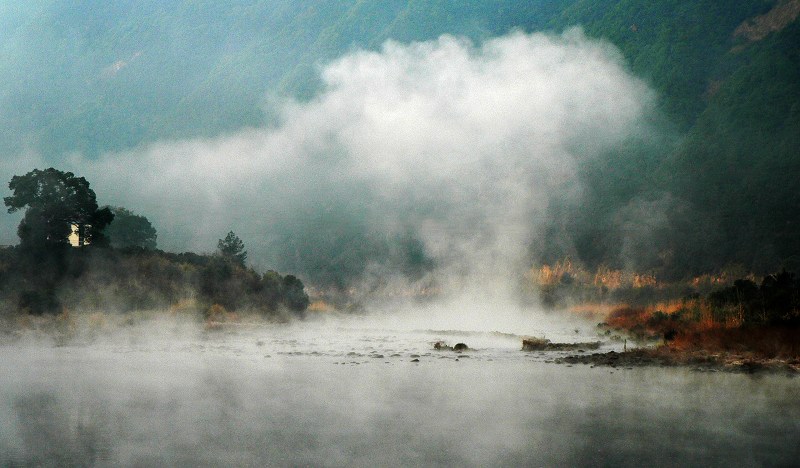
[
  {"x": 699, "y": 360},
  {"x": 706, "y": 334}
]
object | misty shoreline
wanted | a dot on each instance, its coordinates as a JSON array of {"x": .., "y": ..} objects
[
  {"x": 88, "y": 329},
  {"x": 697, "y": 360}
]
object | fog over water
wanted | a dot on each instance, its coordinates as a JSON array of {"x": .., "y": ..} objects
[{"x": 347, "y": 392}]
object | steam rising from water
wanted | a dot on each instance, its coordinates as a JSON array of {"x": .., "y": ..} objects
[
  {"x": 457, "y": 146},
  {"x": 278, "y": 396}
]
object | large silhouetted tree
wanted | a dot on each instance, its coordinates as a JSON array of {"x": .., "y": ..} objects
[{"x": 55, "y": 201}]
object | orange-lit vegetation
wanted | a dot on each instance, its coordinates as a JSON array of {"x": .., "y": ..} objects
[
  {"x": 730, "y": 312},
  {"x": 565, "y": 271},
  {"x": 759, "y": 320},
  {"x": 319, "y": 306},
  {"x": 564, "y": 284},
  {"x": 567, "y": 285}
]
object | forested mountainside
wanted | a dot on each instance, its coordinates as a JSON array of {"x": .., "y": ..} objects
[
  {"x": 729, "y": 79},
  {"x": 94, "y": 76}
]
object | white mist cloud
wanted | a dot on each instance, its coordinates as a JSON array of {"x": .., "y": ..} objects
[{"x": 461, "y": 145}]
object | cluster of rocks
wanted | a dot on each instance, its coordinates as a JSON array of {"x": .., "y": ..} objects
[
  {"x": 442, "y": 346},
  {"x": 633, "y": 358}
]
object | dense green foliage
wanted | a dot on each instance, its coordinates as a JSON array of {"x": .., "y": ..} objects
[
  {"x": 54, "y": 201},
  {"x": 130, "y": 230},
  {"x": 44, "y": 274},
  {"x": 112, "y": 280},
  {"x": 232, "y": 248},
  {"x": 721, "y": 184}
]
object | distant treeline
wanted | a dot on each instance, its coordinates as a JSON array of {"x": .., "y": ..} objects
[
  {"x": 755, "y": 319},
  {"x": 74, "y": 255},
  {"x": 123, "y": 280},
  {"x": 775, "y": 301},
  {"x": 730, "y": 296}
]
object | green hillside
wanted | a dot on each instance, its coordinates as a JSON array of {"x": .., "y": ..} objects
[{"x": 728, "y": 190}]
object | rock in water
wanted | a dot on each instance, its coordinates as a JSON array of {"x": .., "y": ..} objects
[
  {"x": 460, "y": 347},
  {"x": 543, "y": 344},
  {"x": 535, "y": 344}
]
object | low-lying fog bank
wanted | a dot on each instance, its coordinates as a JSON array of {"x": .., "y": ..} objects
[
  {"x": 398, "y": 330},
  {"x": 347, "y": 391}
]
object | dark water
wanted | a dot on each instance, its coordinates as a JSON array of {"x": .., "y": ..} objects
[{"x": 350, "y": 396}]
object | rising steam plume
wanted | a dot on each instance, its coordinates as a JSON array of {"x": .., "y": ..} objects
[{"x": 459, "y": 147}]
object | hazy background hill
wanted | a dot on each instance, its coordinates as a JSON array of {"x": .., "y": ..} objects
[{"x": 717, "y": 186}]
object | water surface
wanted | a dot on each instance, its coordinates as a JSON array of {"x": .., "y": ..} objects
[{"x": 348, "y": 392}]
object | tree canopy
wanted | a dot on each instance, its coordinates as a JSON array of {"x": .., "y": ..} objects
[
  {"x": 232, "y": 248},
  {"x": 130, "y": 230},
  {"x": 55, "y": 201}
]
